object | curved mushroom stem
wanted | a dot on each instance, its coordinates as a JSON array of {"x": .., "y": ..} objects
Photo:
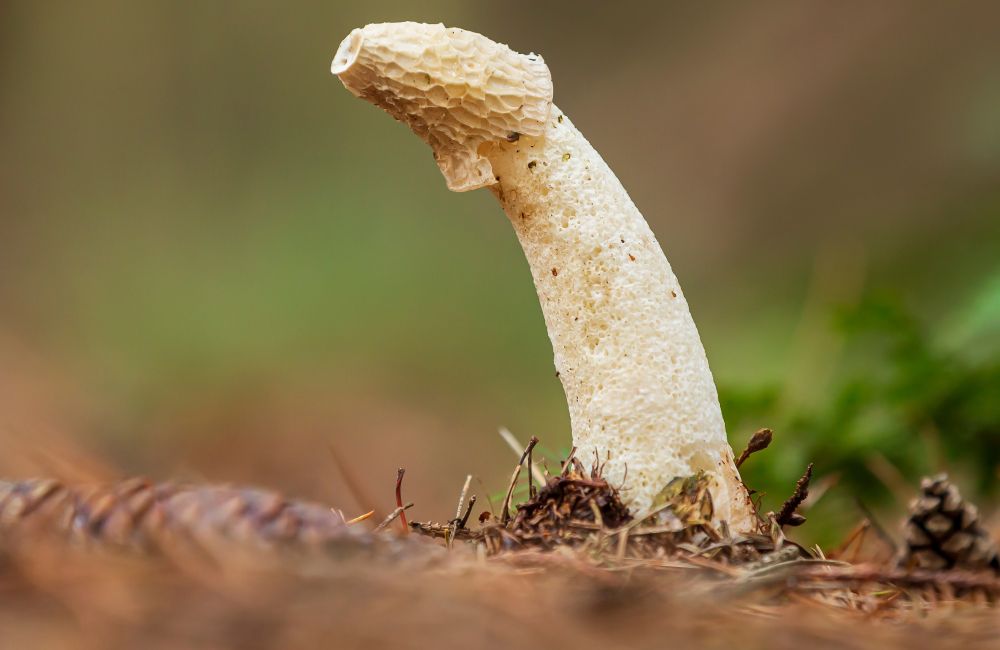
[{"x": 628, "y": 354}]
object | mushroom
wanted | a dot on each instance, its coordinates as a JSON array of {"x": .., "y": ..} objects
[{"x": 631, "y": 362}]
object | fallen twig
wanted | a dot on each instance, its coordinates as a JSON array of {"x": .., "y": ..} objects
[
  {"x": 468, "y": 511},
  {"x": 517, "y": 448},
  {"x": 564, "y": 465},
  {"x": 399, "y": 499},
  {"x": 398, "y": 512},
  {"x": 531, "y": 484},
  {"x": 787, "y": 515},
  {"x": 360, "y": 518},
  {"x": 455, "y": 523},
  {"x": 505, "y": 508},
  {"x": 826, "y": 575},
  {"x": 442, "y": 531}
]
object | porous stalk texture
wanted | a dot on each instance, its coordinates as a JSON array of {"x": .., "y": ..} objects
[
  {"x": 628, "y": 354},
  {"x": 627, "y": 351}
]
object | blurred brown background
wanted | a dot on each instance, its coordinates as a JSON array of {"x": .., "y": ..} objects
[{"x": 215, "y": 263}]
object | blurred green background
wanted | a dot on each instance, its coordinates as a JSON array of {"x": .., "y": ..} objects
[{"x": 215, "y": 263}]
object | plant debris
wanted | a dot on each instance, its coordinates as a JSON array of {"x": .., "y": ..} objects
[
  {"x": 575, "y": 520},
  {"x": 399, "y": 512},
  {"x": 759, "y": 441},
  {"x": 787, "y": 515},
  {"x": 399, "y": 498},
  {"x": 579, "y": 510}
]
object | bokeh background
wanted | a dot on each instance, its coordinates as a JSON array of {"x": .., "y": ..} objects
[{"x": 215, "y": 264}]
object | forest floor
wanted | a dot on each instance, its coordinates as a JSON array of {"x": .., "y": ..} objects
[
  {"x": 539, "y": 579},
  {"x": 191, "y": 566},
  {"x": 527, "y": 600}
]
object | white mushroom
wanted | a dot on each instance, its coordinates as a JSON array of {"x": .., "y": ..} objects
[{"x": 628, "y": 354}]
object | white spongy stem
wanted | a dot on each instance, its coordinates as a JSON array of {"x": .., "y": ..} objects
[{"x": 627, "y": 351}]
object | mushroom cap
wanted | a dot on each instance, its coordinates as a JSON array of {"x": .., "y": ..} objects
[{"x": 454, "y": 88}]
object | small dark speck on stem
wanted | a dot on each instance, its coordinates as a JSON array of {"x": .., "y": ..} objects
[
  {"x": 555, "y": 271},
  {"x": 673, "y": 294}
]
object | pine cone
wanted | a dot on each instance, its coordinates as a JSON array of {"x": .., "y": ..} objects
[
  {"x": 161, "y": 518},
  {"x": 944, "y": 532}
]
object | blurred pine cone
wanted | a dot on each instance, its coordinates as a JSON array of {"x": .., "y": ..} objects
[{"x": 943, "y": 531}]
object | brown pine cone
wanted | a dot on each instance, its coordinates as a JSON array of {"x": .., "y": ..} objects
[
  {"x": 943, "y": 531},
  {"x": 220, "y": 522}
]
